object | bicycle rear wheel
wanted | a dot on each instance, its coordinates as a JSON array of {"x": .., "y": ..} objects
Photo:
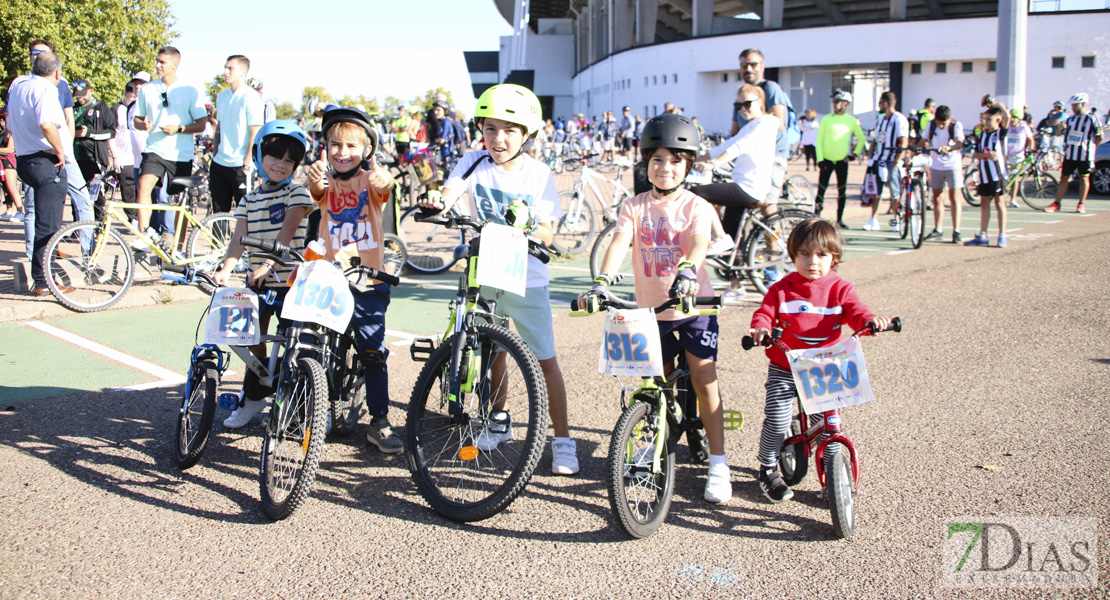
[
  {"x": 639, "y": 495},
  {"x": 394, "y": 254},
  {"x": 765, "y": 249},
  {"x": 459, "y": 480},
  {"x": 792, "y": 459},
  {"x": 916, "y": 211},
  {"x": 971, "y": 186},
  {"x": 294, "y": 439},
  {"x": 575, "y": 229},
  {"x": 207, "y": 245},
  {"x": 198, "y": 408},
  {"x": 88, "y": 278},
  {"x": 625, "y": 289},
  {"x": 1038, "y": 189},
  {"x": 838, "y": 485},
  {"x": 798, "y": 191},
  {"x": 431, "y": 247}
]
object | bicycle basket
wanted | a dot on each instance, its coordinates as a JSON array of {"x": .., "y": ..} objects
[{"x": 425, "y": 167}]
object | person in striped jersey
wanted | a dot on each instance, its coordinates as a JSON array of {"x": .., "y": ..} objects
[
  {"x": 891, "y": 138},
  {"x": 1082, "y": 134},
  {"x": 990, "y": 151}
]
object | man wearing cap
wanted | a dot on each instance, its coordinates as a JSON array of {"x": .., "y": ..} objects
[
  {"x": 94, "y": 125},
  {"x": 239, "y": 116},
  {"x": 1082, "y": 134},
  {"x": 628, "y": 131},
  {"x": 835, "y": 152}
]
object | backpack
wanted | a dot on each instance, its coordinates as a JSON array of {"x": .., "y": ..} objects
[
  {"x": 793, "y": 130},
  {"x": 933, "y": 130}
]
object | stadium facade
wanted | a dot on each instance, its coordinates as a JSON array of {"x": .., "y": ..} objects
[{"x": 586, "y": 56}]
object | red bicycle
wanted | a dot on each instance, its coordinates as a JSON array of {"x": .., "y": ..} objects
[{"x": 837, "y": 472}]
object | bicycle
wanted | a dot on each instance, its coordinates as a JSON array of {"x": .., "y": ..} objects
[
  {"x": 837, "y": 474},
  {"x": 1029, "y": 180},
  {"x": 912, "y": 198},
  {"x": 480, "y": 366},
  {"x": 575, "y": 231},
  {"x": 89, "y": 266},
  {"x": 640, "y": 463}
]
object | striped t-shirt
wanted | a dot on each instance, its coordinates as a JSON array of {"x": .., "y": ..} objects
[
  {"x": 265, "y": 212},
  {"x": 992, "y": 170},
  {"x": 1079, "y": 137},
  {"x": 887, "y": 131}
]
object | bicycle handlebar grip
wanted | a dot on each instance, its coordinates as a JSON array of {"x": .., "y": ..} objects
[
  {"x": 538, "y": 250},
  {"x": 173, "y": 277},
  {"x": 574, "y": 304},
  {"x": 895, "y": 325},
  {"x": 269, "y": 246},
  {"x": 708, "y": 300},
  {"x": 384, "y": 277},
  {"x": 747, "y": 342},
  {"x": 430, "y": 215}
]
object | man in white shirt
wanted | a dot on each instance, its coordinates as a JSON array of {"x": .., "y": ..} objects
[
  {"x": 238, "y": 118},
  {"x": 946, "y": 136}
]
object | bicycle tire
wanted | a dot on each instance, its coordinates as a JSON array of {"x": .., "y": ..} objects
[
  {"x": 838, "y": 486},
  {"x": 574, "y": 236},
  {"x": 1038, "y": 189},
  {"x": 798, "y": 191},
  {"x": 346, "y": 389},
  {"x": 640, "y": 501},
  {"x": 765, "y": 252},
  {"x": 457, "y": 480},
  {"x": 793, "y": 463},
  {"x": 93, "y": 280},
  {"x": 295, "y": 427},
  {"x": 198, "y": 409},
  {"x": 625, "y": 289},
  {"x": 430, "y": 247},
  {"x": 904, "y": 214},
  {"x": 394, "y": 255},
  {"x": 971, "y": 186},
  {"x": 207, "y": 245},
  {"x": 916, "y": 225}
]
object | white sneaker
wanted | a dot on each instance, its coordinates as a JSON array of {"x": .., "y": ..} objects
[
  {"x": 244, "y": 414},
  {"x": 18, "y": 217},
  {"x": 564, "y": 456},
  {"x": 500, "y": 429},
  {"x": 871, "y": 225},
  {"x": 1012, "y": 204},
  {"x": 722, "y": 245},
  {"x": 146, "y": 241},
  {"x": 733, "y": 296},
  {"x": 718, "y": 486}
]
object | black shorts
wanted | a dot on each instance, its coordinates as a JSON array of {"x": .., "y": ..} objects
[
  {"x": 626, "y": 144},
  {"x": 402, "y": 148},
  {"x": 159, "y": 167},
  {"x": 227, "y": 185},
  {"x": 696, "y": 335},
  {"x": 1081, "y": 168},
  {"x": 992, "y": 189}
]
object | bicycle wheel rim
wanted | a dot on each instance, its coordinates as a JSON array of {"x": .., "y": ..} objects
[
  {"x": 640, "y": 495},
  {"x": 766, "y": 253},
  {"x": 207, "y": 245},
  {"x": 1038, "y": 190},
  {"x": 94, "y": 261},
  {"x": 394, "y": 255},
  {"x": 430, "y": 247},
  {"x": 294, "y": 438},
  {"x": 575, "y": 229}
]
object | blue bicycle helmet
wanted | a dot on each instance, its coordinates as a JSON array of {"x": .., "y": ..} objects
[{"x": 279, "y": 127}]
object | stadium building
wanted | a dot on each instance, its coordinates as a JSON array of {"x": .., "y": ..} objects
[{"x": 586, "y": 56}]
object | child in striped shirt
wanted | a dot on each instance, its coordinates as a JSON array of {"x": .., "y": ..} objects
[{"x": 991, "y": 154}]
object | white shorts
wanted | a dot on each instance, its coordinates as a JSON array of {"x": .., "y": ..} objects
[
  {"x": 938, "y": 179},
  {"x": 607, "y": 145}
]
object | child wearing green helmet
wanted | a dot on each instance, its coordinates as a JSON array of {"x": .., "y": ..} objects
[{"x": 506, "y": 176}]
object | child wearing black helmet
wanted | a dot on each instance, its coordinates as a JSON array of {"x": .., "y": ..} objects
[
  {"x": 669, "y": 228},
  {"x": 276, "y": 210},
  {"x": 351, "y": 197}
]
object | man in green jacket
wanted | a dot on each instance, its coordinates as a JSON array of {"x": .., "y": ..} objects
[{"x": 834, "y": 151}]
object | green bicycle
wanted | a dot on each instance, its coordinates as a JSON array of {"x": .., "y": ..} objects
[{"x": 1036, "y": 186}]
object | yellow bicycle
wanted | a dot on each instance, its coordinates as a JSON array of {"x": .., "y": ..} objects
[{"x": 89, "y": 266}]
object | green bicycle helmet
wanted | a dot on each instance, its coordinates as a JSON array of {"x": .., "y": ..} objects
[{"x": 512, "y": 103}]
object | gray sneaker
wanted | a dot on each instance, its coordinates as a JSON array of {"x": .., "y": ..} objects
[{"x": 381, "y": 434}]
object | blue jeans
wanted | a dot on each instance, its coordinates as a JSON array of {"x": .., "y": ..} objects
[
  {"x": 368, "y": 326},
  {"x": 79, "y": 196},
  {"x": 39, "y": 173}
]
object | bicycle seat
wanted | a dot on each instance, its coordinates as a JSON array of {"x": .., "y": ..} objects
[{"x": 187, "y": 182}]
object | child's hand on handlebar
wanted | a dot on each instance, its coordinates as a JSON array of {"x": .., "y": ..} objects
[
  {"x": 686, "y": 282},
  {"x": 878, "y": 324},
  {"x": 258, "y": 277},
  {"x": 221, "y": 276},
  {"x": 433, "y": 200},
  {"x": 759, "y": 335}
]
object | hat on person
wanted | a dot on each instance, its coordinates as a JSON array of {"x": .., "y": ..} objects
[
  {"x": 142, "y": 76},
  {"x": 1058, "y": 104},
  {"x": 626, "y": 108},
  {"x": 1016, "y": 112}
]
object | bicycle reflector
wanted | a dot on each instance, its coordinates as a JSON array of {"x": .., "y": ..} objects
[
  {"x": 734, "y": 420},
  {"x": 468, "y": 453}
]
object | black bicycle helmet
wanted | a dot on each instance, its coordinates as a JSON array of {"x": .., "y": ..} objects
[
  {"x": 675, "y": 132},
  {"x": 352, "y": 115}
]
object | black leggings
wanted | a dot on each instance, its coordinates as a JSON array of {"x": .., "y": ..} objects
[
  {"x": 811, "y": 155},
  {"x": 827, "y": 167},
  {"x": 732, "y": 197}
]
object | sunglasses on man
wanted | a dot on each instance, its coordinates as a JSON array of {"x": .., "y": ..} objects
[{"x": 80, "y": 85}]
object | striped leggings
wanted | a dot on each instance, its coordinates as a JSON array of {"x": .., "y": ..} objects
[{"x": 777, "y": 414}]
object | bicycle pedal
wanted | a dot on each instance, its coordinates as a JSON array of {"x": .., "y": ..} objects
[
  {"x": 229, "y": 401},
  {"x": 421, "y": 349},
  {"x": 734, "y": 420}
]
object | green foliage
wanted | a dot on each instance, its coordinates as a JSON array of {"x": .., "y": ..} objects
[
  {"x": 214, "y": 87},
  {"x": 429, "y": 98},
  {"x": 104, "y": 41},
  {"x": 285, "y": 110}
]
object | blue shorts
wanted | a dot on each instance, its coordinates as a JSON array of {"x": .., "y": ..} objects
[
  {"x": 531, "y": 315},
  {"x": 696, "y": 335}
]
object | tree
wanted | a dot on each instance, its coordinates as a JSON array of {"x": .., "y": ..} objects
[
  {"x": 285, "y": 110},
  {"x": 313, "y": 92},
  {"x": 429, "y": 98},
  {"x": 214, "y": 87},
  {"x": 390, "y": 104},
  {"x": 103, "y": 41}
]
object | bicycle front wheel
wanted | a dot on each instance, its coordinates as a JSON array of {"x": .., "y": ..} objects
[
  {"x": 575, "y": 229},
  {"x": 394, "y": 254},
  {"x": 294, "y": 439},
  {"x": 765, "y": 249},
  {"x": 463, "y": 470},
  {"x": 207, "y": 245},
  {"x": 624, "y": 289},
  {"x": 799, "y": 191},
  {"x": 971, "y": 186},
  {"x": 916, "y": 214},
  {"x": 1038, "y": 189},
  {"x": 431, "y": 247},
  {"x": 194, "y": 420},
  {"x": 88, "y": 266},
  {"x": 838, "y": 484},
  {"x": 639, "y": 494}
]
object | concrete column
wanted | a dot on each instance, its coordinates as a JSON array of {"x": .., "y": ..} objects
[
  {"x": 623, "y": 24},
  {"x": 772, "y": 14},
  {"x": 589, "y": 14},
  {"x": 647, "y": 13},
  {"x": 898, "y": 9},
  {"x": 702, "y": 18},
  {"x": 1009, "y": 77}
]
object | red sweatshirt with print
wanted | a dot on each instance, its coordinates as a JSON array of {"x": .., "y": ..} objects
[{"x": 810, "y": 313}]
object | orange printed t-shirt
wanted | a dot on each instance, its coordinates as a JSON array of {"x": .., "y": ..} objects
[{"x": 352, "y": 214}]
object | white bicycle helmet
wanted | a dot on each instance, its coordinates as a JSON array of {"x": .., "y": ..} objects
[
  {"x": 842, "y": 96},
  {"x": 1079, "y": 98}
]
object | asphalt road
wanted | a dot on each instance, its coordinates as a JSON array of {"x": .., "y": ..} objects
[{"x": 988, "y": 404}]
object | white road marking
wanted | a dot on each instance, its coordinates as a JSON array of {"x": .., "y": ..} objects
[
  {"x": 166, "y": 377},
  {"x": 562, "y": 268},
  {"x": 893, "y": 252}
]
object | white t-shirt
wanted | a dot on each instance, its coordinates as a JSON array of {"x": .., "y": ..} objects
[
  {"x": 32, "y": 101},
  {"x": 753, "y": 147},
  {"x": 492, "y": 189},
  {"x": 1017, "y": 137},
  {"x": 944, "y": 162},
  {"x": 237, "y": 112},
  {"x": 185, "y": 106},
  {"x": 809, "y": 131},
  {"x": 121, "y": 141},
  {"x": 138, "y": 137}
]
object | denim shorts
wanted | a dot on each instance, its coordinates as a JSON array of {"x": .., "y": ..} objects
[{"x": 531, "y": 315}]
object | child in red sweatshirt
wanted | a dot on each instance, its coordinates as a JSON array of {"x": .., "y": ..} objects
[{"x": 810, "y": 305}]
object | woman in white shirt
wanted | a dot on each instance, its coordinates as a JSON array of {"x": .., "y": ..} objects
[{"x": 808, "y": 124}]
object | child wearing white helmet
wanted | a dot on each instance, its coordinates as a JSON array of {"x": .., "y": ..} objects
[{"x": 503, "y": 175}]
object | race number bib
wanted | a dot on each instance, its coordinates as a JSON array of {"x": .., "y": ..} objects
[
  {"x": 828, "y": 378},
  {"x": 1075, "y": 138},
  {"x": 503, "y": 258},
  {"x": 320, "y": 295},
  {"x": 232, "y": 318},
  {"x": 631, "y": 344}
]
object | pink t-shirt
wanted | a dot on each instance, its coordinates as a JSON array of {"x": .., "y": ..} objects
[{"x": 662, "y": 237}]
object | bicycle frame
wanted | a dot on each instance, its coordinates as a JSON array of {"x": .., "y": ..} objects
[
  {"x": 608, "y": 209},
  {"x": 831, "y": 424},
  {"x": 115, "y": 210}
]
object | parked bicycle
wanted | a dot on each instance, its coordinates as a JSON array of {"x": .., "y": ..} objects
[
  {"x": 574, "y": 233},
  {"x": 1029, "y": 179},
  {"x": 912, "y": 199}
]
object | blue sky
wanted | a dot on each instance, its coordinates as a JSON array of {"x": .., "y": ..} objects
[{"x": 370, "y": 47}]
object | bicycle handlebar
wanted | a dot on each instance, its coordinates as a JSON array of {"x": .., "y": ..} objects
[
  {"x": 748, "y": 343},
  {"x": 287, "y": 257},
  {"x": 454, "y": 220},
  {"x": 626, "y": 305}
]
